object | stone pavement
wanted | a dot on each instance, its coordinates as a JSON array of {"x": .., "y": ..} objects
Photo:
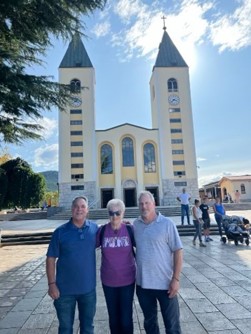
[{"x": 215, "y": 293}]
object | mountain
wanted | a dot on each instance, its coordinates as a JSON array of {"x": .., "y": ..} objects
[{"x": 51, "y": 178}]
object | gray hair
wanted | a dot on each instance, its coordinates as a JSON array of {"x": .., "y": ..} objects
[
  {"x": 77, "y": 198},
  {"x": 116, "y": 202},
  {"x": 147, "y": 194}
]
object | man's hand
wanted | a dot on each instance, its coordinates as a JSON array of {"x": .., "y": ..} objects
[
  {"x": 173, "y": 288},
  {"x": 53, "y": 291}
]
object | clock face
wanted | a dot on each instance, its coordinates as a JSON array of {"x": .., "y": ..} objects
[
  {"x": 173, "y": 99},
  {"x": 76, "y": 101}
]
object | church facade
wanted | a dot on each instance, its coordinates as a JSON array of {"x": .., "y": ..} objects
[{"x": 121, "y": 161}]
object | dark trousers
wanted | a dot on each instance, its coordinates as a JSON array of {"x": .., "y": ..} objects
[
  {"x": 218, "y": 219},
  {"x": 169, "y": 307},
  {"x": 185, "y": 212},
  {"x": 197, "y": 233},
  {"x": 119, "y": 302}
]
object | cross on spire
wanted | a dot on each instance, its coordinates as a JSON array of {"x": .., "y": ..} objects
[{"x": 164, "y": 22}]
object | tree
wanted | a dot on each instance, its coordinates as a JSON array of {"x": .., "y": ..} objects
[
  {"x": 26, "y": 29},
  {"x": 24, "y": 188}
]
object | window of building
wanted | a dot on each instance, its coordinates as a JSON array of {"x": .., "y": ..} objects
[
  {"x": 177, "y": 141},
  {"x": 175, "y": 120},
  {"x": 180, "y": 184},
  {"x": 178, "y": 162},
  {"x": 177, "y": 151},
  {"x": 77, "y": 176},
  {"x": 76, "y": 143},
  {"x": 77, "y": 165},
  {"x": 77, "y": 154},
  {"x": 76, "y": 111},
  {"x": 171, "y": 110},
  {"x": 76, "y": 122},
  {"x": 172, "y": 85},
  {"x": 179, "y": 173},
  {"x": 106, "y": 159},
  {"x": 127, "y": 152},
  {"x": 77, "y": 187},
  {"x": 176, "y": 130},
  {"x": 75, "y": 86},
  {"x": 243, "y": 189},
  {"x": 76, "y": 133},
  {"x": 149, "y": 158}
]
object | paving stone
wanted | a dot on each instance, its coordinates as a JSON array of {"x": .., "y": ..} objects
[
  {"x": 190, "y": 293},
  {"x": 234, "y": 311},
  {"x": 219, "y": 298},
  {"x": 193, "y": 327},
  {"x": 201, "y": 306},
  {"x": 214, "y": 321},
  {"x": 14, "y": 319},
  {"x": 38, "y": 321},
  {"x": 243, "y": 325},
  {"x": 235, "y": 291}
]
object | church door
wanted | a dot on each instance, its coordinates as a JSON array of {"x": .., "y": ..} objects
[{"x": 130, "y": 197}]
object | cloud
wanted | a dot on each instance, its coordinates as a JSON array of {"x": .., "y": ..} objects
[
  {"x": 101, "y": 29},
  {"x": 201, "y": 159},
  {"x": 46, "y": 157},
  {"x": 233, "y": 31}
]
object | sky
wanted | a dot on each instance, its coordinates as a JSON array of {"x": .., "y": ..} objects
[{"x": 214, "y": 38}]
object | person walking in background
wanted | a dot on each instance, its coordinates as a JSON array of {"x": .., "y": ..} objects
[
  {"x": 118, "y": 268},
  {"x": 206, "y": 219},
  {"x": 219, "y": 212},
  {"x": 184, "y": 199},
  {"x": 71, "y": 269},
  {"x": 159, "y": 261},
  {"x": 197, "y": 221}
]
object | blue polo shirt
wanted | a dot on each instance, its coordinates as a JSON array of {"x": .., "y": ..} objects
[{"x": 75, "y": 250}]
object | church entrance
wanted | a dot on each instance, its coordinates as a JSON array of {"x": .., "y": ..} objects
[
  {"x": 155, "y": 192},
  {"x": 130, "y": 197},
  {"x": 106, "y": 196}
]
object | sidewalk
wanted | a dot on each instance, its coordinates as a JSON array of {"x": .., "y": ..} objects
[{"x": 214, "y": 295}]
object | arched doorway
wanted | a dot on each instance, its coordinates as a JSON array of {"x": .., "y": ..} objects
[{"x": 130, "y": 193}]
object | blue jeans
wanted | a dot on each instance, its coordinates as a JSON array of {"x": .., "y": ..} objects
[
  {"x": 65, "y": 308},
  {"x": 218, "y": 219},
  {"x": 185, "y": 212},
  {"x": 119, "y": 302},
  {"x": 169, "y": 309},
  {"x": 197, "y": 226}
]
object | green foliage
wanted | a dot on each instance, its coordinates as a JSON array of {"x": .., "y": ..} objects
[
  {"x": 24, "y": 188},
  {"x": 26, "y": 29},
  {"x": 4, "y": 185}
]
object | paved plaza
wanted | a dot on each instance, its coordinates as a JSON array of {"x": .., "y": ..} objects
[{"x": 215, "y": 293}]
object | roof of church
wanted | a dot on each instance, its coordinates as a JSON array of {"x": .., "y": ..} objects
[
  {"x": 76, "y": 55},
  {"x": 168, "y": 55}
]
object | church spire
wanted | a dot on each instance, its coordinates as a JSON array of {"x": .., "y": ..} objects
[
  {"x": 168, "y": 55},
  {"x": 76, "y": 55}
]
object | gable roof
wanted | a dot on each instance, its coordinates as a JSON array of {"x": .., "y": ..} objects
[
  {"x": 76, "y": 55},
  {"x": 168, "y": 55},
  {"x": 236, "y": 178}
]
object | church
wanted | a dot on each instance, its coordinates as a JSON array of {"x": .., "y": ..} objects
[{"x": 121, "y": 161}]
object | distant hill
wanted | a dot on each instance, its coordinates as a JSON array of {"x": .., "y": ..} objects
[{"x": 51, "y": 178}]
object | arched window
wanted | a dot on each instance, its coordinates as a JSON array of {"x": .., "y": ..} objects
[
  {"x": 106, "y": 159},
  {"x": 75, "y": 86},
  {"x": 127, "y": 152},
  {"x": 172, "y": 85},
  {"x": 243, "y": 189},
  {"x": 149, "y": 158}
]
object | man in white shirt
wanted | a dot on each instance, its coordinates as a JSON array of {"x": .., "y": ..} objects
[{"x": 184, "y": 199}]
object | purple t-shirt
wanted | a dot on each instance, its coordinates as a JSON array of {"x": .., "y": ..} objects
[{"x": 117, "y": 263}]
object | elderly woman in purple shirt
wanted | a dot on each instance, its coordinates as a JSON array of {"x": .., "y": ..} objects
[{"x": 118, "y": 268}]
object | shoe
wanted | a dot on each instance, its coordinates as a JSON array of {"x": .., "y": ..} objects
[
  {"x": 194, "y": 243},
  {"x": 210, "y": 239},
  {"x": 207, "y": 240},
  {"x": 202, "y": 245}
]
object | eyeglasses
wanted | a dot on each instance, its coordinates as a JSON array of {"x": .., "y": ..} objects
[{"x": 114, "y": 213}]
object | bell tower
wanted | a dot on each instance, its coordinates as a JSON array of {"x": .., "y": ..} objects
[
  {"x": 77, "y": 144},
  {"x": 172, "y": 115}
]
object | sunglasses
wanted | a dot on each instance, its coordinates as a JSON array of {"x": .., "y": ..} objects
[{"x": 114, "y": 213}]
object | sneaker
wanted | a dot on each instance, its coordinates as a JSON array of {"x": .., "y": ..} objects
[
  {"x": 194, "y": 243},
  {"x": 202, "y": 245},
  {"x": 207, "y": 240},
  {"x": 210, "y": 239}
]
